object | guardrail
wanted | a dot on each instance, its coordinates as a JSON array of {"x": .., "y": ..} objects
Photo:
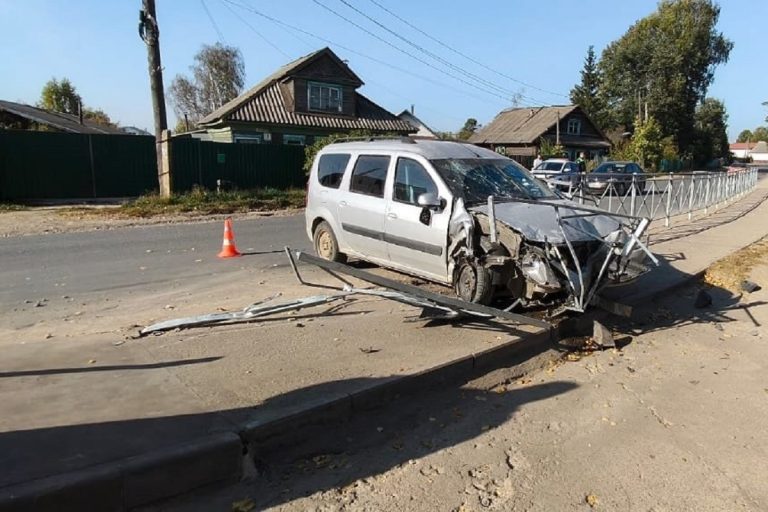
[{"x": 660, "y": 196}]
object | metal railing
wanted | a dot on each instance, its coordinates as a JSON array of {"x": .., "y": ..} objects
[{"x": 661, "y": 196}]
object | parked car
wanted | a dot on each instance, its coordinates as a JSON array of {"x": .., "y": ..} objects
[
  {"x": 558, "y": 172},
  {"x": 618, "y": 176},
  {"x": 422, "y": 207}
]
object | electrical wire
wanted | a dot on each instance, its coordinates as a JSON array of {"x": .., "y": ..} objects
[
  {"x": 266, "y": 40},
  {"x": 457, "y": 52},
  {"x": 213, "y": 22}
]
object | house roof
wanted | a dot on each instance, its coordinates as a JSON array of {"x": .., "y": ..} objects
[
  {"x": 521, "y": 125},
  {"x": 734, "y": 146},
  {"x": 760, "y": 147},
  {"x": 264, "y": 103},
  {"x": 59, "y": 120},
  {"x": 417, "y": 124}
]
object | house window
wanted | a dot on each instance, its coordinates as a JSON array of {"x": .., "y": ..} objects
[
  {"x": 574, "y": 127},
  {"x": 253, "y": 138},
  {"x": 296, "y": 140},
  {"x": 324, "y": 97}
]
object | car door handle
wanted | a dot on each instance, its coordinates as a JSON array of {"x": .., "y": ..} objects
[
  {"x": 391, "y": 215},
  {"x": 342, "y": 203}
]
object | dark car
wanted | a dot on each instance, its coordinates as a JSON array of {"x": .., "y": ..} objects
[{"x": 618, "y": 175}]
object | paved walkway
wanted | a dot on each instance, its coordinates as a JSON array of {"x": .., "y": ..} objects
[{"x": 86, "y": 403}]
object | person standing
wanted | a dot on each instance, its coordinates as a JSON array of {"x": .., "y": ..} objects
[
  {"x": 582, "y": 161},
  {"x": 537, "y": 160}
]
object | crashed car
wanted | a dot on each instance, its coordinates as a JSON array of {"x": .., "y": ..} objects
[{"x": 467, "y": 217}]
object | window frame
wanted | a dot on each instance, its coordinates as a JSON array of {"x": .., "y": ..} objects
[
  {"x": 386, "y": 175},
  {"x": 394, "y": 180},
  {"x": 573, "y": 122},
  {"x": 330, "y": 87},
  {"x": 343, "y": 172},
  {"x": 301, "y": 140}
]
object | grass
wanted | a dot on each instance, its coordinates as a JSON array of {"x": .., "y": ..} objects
[
  {"x": 11, "y": 207},
  {"x": 730, "y": 271},
  {"x": 203, "y": 202}
]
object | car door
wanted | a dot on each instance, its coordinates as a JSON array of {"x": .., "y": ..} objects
[
  {"x": 416, "y": 236},
  {"x": 362, "y": 209}
]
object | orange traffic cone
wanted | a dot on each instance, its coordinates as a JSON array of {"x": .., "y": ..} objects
[{"x": 228, "y": 249}]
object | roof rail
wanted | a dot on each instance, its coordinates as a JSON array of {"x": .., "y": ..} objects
[{"x": 405, "y": 139}]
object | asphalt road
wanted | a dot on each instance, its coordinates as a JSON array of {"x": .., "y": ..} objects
[{"x": 128, "y": 260}]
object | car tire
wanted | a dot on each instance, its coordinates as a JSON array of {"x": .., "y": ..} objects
[
  {"x": 326, "y": 245},
  {"x": 473, "y": 283}
]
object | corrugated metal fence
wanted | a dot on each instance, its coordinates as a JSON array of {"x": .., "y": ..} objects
[
  {"x": 195, "y": 162},
  {"x": 50, "y": 165}
]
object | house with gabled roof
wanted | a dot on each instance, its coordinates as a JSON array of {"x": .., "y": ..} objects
[
  {"x": 517, "y": 132},
  {"x": 18, "y": 116},
  {"x": 313, "y": 96}
]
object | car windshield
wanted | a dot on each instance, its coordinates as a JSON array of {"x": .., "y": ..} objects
[
  {"x": 474, "y": 179},
  {"x": 609, "y": 168},
  {"x": 549, "y": 166}
]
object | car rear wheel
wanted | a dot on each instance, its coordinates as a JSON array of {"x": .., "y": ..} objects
[
  {"x": 326, "y": 245},
  {"x": 473, "y": 283}
]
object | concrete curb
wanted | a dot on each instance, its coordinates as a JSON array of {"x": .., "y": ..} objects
[{"x": 132, "y": 482}]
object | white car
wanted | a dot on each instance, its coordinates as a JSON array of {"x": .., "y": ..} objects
[
  {"x": 559, "y": 172},
  {"x": 464, "y": 216}
]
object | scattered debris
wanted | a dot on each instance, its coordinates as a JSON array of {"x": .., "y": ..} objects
[
  {"x": 602, "y": 336},
  {"x": 749, "y": 286},
  {"x": 369, "y": 350},
  {"x": 591, "y": 500}
]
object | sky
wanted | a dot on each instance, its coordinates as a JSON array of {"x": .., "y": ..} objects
[{"x": 531, "y": 48}]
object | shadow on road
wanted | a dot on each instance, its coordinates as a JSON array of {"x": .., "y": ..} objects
[{"x": 108, "y": 368}]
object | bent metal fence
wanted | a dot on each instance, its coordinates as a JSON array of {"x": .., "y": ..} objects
[{"x": 664, "y": 196}]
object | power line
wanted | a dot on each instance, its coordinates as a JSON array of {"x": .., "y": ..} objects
[
  {"x": 266, "y": 40},
  {"x": 436, "y": 57},
  {"x": 457, "y": 52},
  {"x": 213, "y": 22},
  {"x": 355, "y": 52},
  {"x": 405, "y": 52}
]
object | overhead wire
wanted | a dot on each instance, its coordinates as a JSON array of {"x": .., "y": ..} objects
[
  {"x": 213, "y": 22},
  {"x": 461, "y": 54},
  {"x": 265, "y": 39},
  {"x": 355, "y": 52}
]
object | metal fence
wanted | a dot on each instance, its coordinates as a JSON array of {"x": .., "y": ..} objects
[
  {"x": 51, "y": 165},
  {"x": 663, "y": 196}
]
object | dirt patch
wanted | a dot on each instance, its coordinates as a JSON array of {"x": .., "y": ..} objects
[{"x": 731, "y": 271}]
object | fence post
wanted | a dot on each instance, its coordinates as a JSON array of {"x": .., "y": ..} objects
[
  {"x": 164, "y": 173},
  {"x": 633, "y": 193},
  {"x": 670, "y": 187},
  {"x": 690, "y": 196},
  {"x": 706, "y": 195}
]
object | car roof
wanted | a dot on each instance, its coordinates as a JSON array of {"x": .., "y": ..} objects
[
  {"x": 429, "y": 149},
  {"x": 561, "y": 160}
]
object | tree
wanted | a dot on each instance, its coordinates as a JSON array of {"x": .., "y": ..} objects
[
  {"x": 469, "y": 128},
  {"x": 97, "y": 116},
  {"x": 218, "y": 76},
  {"x": 760, "y": 133},
  {"x": 745, "y": 136},
  {"x": 648, "y": 142},
  {"x": 665, "y": 62},
  {"x": 587, "y": 94},
  {"x": 60, "y": 96},
  {"x": 711, "y": 137}
]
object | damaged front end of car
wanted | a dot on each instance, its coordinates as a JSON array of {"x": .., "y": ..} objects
[{"x": 546, "y": 253}]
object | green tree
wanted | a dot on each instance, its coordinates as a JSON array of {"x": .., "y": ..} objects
[
  {"x": 745, "y": 136},
  {"x": 97, "y": 116},
  {"x": 218, "y": 76},
  {"x": 665, "y": 62},
  {"x": 711, "y": 137},
  {"x": 647, "y": 143},
  {"x": 60, "y": 96},
  {"x": 469, "y": 128},
  {"x": 587, "y": 94},
  {"x": 760, "y": 133},
  {"x": 549, "y": 149}
]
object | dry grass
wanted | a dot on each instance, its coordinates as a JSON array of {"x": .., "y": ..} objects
[
  {"x": 199, "y": 202},
  {"x": 11, "y": 207},
  {"x": 732, "y": 270}
]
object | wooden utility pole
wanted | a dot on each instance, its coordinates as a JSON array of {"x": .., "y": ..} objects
[{"x": 150, "y": 34}]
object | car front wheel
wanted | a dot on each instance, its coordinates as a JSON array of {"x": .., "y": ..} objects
[
  {"x": 326, "y": 245},
  {"x": 473, "y": 283}
]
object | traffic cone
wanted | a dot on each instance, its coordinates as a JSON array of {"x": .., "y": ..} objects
[{"x": 228, "y": 248}]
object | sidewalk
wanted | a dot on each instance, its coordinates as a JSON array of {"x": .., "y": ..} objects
[{"x": 105, "y": 424}]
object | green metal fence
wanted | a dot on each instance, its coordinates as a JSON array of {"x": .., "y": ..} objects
[
  {"x": 195, "y": 162},
  {"x": 51, "y": 165}
]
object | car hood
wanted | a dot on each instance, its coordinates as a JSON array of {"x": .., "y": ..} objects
[{"x": 538, "y": 222}]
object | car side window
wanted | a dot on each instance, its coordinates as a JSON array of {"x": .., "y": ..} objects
[
  {"x": 411, "y": 180},
  {"x": 330, "y": 169},
  {"x": 369, "y": 175}
]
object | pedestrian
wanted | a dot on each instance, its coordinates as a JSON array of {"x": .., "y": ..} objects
[
  {"x": 537, "y": 160},
  {"x": 582, "y": 161}
]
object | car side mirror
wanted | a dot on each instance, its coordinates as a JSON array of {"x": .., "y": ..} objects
[{"x": 429, "y": 200}]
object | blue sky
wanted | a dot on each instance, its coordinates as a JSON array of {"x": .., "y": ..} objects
[{"x": 541, "y": 43}]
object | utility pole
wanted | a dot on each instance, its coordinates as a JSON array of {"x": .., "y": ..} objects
[{"x": 150, "y": 34}]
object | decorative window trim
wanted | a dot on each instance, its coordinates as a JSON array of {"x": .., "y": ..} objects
[{"x": 329, "y": 99}]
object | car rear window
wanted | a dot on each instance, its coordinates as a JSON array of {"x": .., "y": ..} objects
[
  {"x": 369, "y": 175},
  {"x": 330, "y": 169}
]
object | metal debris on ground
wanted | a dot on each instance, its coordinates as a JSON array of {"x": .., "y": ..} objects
[
  {"x": 749, "y": 286},
  {"x": 602, "y": 336}
]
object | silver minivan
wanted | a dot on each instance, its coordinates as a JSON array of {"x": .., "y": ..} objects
[{"x": 464, "y": 216}]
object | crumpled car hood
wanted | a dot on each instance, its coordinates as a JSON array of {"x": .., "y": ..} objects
[{"x": 539, "y": 221}]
